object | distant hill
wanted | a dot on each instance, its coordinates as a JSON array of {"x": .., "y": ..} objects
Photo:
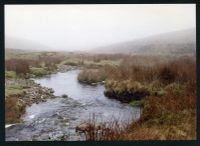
[
  {"x": 178, "y": 42},
  {"x": 24, "y": 44}
]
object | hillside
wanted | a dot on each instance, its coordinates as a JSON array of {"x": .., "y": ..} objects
[
  {"x": 178, "y": 42},
  {"x": 24, "y": 44}
]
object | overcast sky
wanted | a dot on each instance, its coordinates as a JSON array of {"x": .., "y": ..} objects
[{"x": 81, "y": 27}]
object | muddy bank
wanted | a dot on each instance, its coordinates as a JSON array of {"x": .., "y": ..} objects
[{"x": 126, "y": 97}]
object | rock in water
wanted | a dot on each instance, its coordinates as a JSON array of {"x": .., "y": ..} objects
[
  {"x": 64, "y": 96},
  {"x": 82, "y": 127},
  {"x": 85, "y": 127}
]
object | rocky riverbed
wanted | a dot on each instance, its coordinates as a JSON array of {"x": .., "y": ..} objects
[{"x": 37, "y": 94}]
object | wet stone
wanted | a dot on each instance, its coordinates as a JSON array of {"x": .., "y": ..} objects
[{"x": 64, "y": 96}]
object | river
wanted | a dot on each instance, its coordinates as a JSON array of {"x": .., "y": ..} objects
[{"x": 58, "y": 117}]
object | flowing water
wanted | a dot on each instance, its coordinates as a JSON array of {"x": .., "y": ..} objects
[{"x": 58, "y": 117}]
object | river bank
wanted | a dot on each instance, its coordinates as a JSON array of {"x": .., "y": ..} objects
[
  {"x": 59, "y": 117},
  {"x": 22, "y": 92},
  {"x": 30, "y": 93},
  {"x": 168, "y": 101}
]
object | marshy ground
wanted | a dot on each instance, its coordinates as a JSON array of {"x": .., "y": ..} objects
[{"x": 163, "y": 86}]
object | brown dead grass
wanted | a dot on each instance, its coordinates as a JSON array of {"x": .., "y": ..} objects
[
  {"x": 13, "y": 109},
  {"x": 168, "y": 117}
]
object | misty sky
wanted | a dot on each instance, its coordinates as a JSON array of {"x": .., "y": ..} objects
[{"x": 82, "y": 27}]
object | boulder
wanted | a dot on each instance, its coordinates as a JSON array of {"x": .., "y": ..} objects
[
  {"x": 51, "y": 90},
  {"x": 44, "y": 100}
]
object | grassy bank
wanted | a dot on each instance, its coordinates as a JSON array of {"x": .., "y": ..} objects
[
  {"x": 169, "y": 110},
  {"x": 90, "y": 76},
  {"x": 165, "y": 89},
  {"x": 19, "y": 90},
  {"x": 170, "y": 117},
  {"x": 20, "y": 66},
  {"x": 14, "y": 107}
]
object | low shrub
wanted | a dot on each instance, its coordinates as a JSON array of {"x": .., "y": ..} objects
[{"x": 20, "y": 66}]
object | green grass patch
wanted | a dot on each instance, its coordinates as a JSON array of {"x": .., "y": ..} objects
[
  {"x": 38, "y": 71},
  {"x": 137, "y": 103},
  {"x": 13, "y": 90},
  {"x": 90, "y": 63},
  {"x": 10, "y": 74}
]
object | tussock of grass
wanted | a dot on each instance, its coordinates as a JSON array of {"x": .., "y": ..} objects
[
  {"x": 38, "y": 71},
  {"x": 90, "y": 76},
  {"x": 126, "y": 90}
]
